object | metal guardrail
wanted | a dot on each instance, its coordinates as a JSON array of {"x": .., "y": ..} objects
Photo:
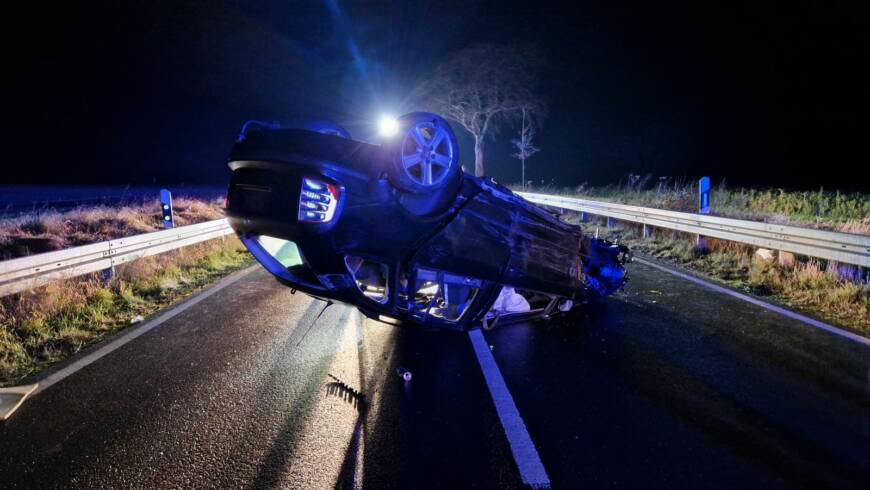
[
  {"x": 17, "y": 275},
  {"x": 847, "y": 248}
]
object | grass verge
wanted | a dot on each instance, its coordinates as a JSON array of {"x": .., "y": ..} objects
[
  {"x": 835, "y": 211},
  {"x": 38, "y": 232},
  {"x": 41, "y": 327},
  {"x": 811, "y": 287}
]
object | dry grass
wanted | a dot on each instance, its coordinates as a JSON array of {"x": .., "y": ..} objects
[
  {"x": 813, "y": 286},
  {"x": 43, "y": 326},
  {"x": 857, "y": 226},
  {"x": 830, "y": 210},
  {"x": 34, "y": 233}
]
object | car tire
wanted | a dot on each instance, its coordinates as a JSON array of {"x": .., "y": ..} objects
[
  {"x": 424, "y": 154},
  {"x": 433, "y": 202}
]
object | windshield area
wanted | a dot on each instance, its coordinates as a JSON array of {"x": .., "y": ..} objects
[{"x": 443, "y": 295}]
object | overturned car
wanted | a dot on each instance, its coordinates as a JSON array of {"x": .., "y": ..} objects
[{"x": 402, "y": 233}]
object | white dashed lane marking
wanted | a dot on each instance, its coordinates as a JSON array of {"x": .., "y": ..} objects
[{"x": 523, "y": 449}]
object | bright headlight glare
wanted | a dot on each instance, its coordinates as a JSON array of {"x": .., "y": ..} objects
[{"x": 388, "y": 126}]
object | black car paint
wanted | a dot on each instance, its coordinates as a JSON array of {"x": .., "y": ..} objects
[{"x": 477, "y": 229}]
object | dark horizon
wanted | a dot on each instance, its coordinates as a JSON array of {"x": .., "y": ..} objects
[{"x": 761, "y": 96}]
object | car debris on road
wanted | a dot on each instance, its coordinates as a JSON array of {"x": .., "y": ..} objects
[{"x": 404, "y": 373}]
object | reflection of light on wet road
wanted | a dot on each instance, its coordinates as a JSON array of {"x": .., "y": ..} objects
[
  {"x": 317, "y": 458},
  {"x": 376, "y": 349},
  {"x": 331, "y": 447}
]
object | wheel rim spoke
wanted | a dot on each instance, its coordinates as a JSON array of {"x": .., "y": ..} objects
[
  {"x": 418, "y": 137},
  {"x": 437, "y": 137},
  {"x": 410, "y": 160},
  {"x": 424, "y": 162},
  {"x": 427, "y": 173},
  {"x": 441, "y": 160}
]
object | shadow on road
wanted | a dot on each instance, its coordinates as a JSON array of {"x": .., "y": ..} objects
[{"x": 347, "y": 394}]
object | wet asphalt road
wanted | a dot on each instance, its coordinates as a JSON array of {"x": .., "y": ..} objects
[{"x": 666, "y": 385}]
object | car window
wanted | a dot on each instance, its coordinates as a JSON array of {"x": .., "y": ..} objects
[
  {"x": 370, "y": 277},
  {"x": 284, "y": 251},
  {"x": 443, "y": 295},
  {"x": 282, "y": 258}
]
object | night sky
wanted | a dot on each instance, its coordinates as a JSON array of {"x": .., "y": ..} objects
[{"x": 142, "y": 92}]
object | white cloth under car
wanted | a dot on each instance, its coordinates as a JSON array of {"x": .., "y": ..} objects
[{"x": 509, "y": 301}]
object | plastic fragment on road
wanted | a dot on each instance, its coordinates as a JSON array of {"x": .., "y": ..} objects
[
  {"x": 12, "y": 398},
  {"x": 137, "y": 319},
  {"x": 403, "y": 373},
  {"x": 509, "y": 301}
]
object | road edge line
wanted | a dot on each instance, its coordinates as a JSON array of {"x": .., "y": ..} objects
[
  {"x": 21, "y": 392},
  {"x": 145, "y": 327},
  {"x": 523, "y": 449},
  {"x": 763, "y": 304}
]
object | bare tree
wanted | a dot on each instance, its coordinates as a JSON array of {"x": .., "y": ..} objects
[
  {"x": 481, "y": 88},
  {"x": 524, "y": 144}
]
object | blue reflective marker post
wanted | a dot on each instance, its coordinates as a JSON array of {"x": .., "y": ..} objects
[
  {"x": 108, "y": 275},
  {"x": 703, "y": 205},
  {"x": 166, "y": 208}
]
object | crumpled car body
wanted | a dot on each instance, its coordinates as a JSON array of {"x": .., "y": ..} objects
[{"x": 332, "y": 217}]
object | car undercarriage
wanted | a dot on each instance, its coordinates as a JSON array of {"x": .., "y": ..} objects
[{"x": 401, "y": 232}]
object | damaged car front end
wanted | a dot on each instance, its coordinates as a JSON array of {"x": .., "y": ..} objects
[{"x": 399, "y": 231}]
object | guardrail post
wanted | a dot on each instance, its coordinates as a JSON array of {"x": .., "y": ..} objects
[
  {"x": 786, "y": 260},
  {"x": 166, "y": 208},
  {"x": 609, "y": 222},
  {"x": 109, "y": 274},
  {"x": 647, "y": 231},
  {"x": 703, "y": 206}
]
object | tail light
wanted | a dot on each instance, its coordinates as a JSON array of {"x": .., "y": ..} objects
[{"x": 317, "y": 201}]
